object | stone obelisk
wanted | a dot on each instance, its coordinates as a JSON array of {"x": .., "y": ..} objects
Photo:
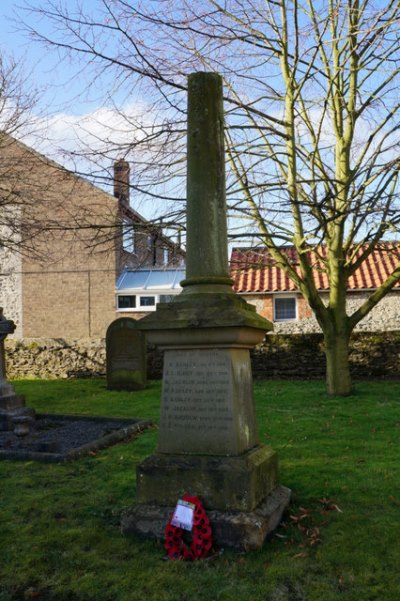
[{"x": 208, "y": 443}]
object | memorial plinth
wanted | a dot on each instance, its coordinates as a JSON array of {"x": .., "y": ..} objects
[
  {"x": 11, "y": 404},
  {"x": 208, "y": 444}
]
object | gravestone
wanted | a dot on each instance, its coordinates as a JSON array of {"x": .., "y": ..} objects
[
  {"x": 208, "y": 444},
  {"x": 125, "y": 355},
  {"x": 11, "y": 404}
]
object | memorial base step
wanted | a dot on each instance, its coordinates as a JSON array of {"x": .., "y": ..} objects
[
  {"x": 240, "y": 530},
  {"x": 236, "y": 482}
]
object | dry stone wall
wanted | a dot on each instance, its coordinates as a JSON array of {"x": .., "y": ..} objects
[
  {"x": 301, "y": 356},
  {"x": 55, "y": 358},
  {"x": 298, "y": 356},
  {"x": 65, "y": 358}
]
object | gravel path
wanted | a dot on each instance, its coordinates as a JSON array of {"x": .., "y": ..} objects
[{"x": 62, "y": 434}]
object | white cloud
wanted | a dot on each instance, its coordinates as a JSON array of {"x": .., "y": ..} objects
[{"x": 102, "y": 132}]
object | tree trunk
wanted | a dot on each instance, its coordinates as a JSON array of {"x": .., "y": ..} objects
[{"x": 338, "y": 378}]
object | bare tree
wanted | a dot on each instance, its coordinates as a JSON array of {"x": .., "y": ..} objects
[
  {"x": 40, "y": 201},
  {"x": 16, "y": 103},
  {"x": 312, "y": 123},
  {"x": 26, "y": 193}
]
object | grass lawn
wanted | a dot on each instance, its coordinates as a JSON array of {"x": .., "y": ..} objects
[{"x": 59, "y": 524}]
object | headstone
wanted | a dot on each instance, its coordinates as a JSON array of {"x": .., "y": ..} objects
[
  {"x": 11, "y": 404},
  {"x": 208, "y": 445},
  {"x": 125, "y": 355}
]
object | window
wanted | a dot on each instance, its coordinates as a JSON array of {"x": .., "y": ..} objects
[
  {"x": 285, "y": 308},
  {"x": 147, "y": 301},
  {"x": 126, "y": 302},
  {"x": 142, "y": 302}
]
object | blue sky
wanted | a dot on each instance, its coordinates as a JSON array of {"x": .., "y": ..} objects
[
  {"x": 64, "y": 114},
  {"x": 41, "y": 66}
]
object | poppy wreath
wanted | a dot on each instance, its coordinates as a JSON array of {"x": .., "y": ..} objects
[{"x": 201, "y": 535}]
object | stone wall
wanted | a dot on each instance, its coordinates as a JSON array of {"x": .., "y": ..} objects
[
  {"x": 55, "y": 358},
  {"x": 60, "y": 358},
  {"x": 301, "y": 356},
  {"x": 280, "y": 356}
]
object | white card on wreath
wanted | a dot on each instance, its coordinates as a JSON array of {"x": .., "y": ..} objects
[{"x": 183, "y": 515}]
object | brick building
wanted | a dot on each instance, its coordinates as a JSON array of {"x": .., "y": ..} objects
[
  {"x": 66, "y": 243},
  {"x": 275, "y": 296}
]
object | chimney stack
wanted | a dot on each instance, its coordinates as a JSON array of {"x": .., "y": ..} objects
[{"x": 121, "y": 181}]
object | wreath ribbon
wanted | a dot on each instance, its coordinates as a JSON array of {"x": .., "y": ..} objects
[{"x": 201, "y": 535}]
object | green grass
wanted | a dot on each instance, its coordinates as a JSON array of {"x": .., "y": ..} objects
[{"x": 59, "y": 524}]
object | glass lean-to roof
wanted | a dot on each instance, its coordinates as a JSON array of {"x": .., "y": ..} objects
[{"x": 151, "y": 279}]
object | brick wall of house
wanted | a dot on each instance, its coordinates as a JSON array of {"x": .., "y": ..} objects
[
  {"x": 63, "y": 285},
  {"x": 79, "y": 303},
  {"x": 68, "y": 281}
]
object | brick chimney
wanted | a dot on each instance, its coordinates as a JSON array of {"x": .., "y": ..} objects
[{"x": 121, "y": 181}]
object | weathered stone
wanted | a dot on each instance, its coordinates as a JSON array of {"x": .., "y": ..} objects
[
  {"x": 201, "y": 313},
  {"x": 125, "y": 355},
  {"x": 9, "y": 400},
  {"x": 228, "y": 483},
  {"x": 207, "y": 441},
  {"x": 243, "y": 531},
  {"x": 207, "y": 402},
  {"x": 206, "y": 204}
]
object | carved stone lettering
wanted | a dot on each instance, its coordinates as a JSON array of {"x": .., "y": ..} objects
[{"x": 197, "y": 403}]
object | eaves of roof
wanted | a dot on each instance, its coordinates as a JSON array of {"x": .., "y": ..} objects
[{"x": 254, "y": 271}]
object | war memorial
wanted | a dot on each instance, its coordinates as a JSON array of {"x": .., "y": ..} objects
[{"x": 208, "y": 444}]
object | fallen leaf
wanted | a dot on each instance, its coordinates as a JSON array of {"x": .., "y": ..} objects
[
  {"x": 31, "y": 593},
  {"x": 298, "y": 518},
  {"x": 329, "y": 505}
]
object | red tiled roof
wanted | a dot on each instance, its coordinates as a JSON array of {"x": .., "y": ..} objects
[{"x": 254, "y": 270}]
